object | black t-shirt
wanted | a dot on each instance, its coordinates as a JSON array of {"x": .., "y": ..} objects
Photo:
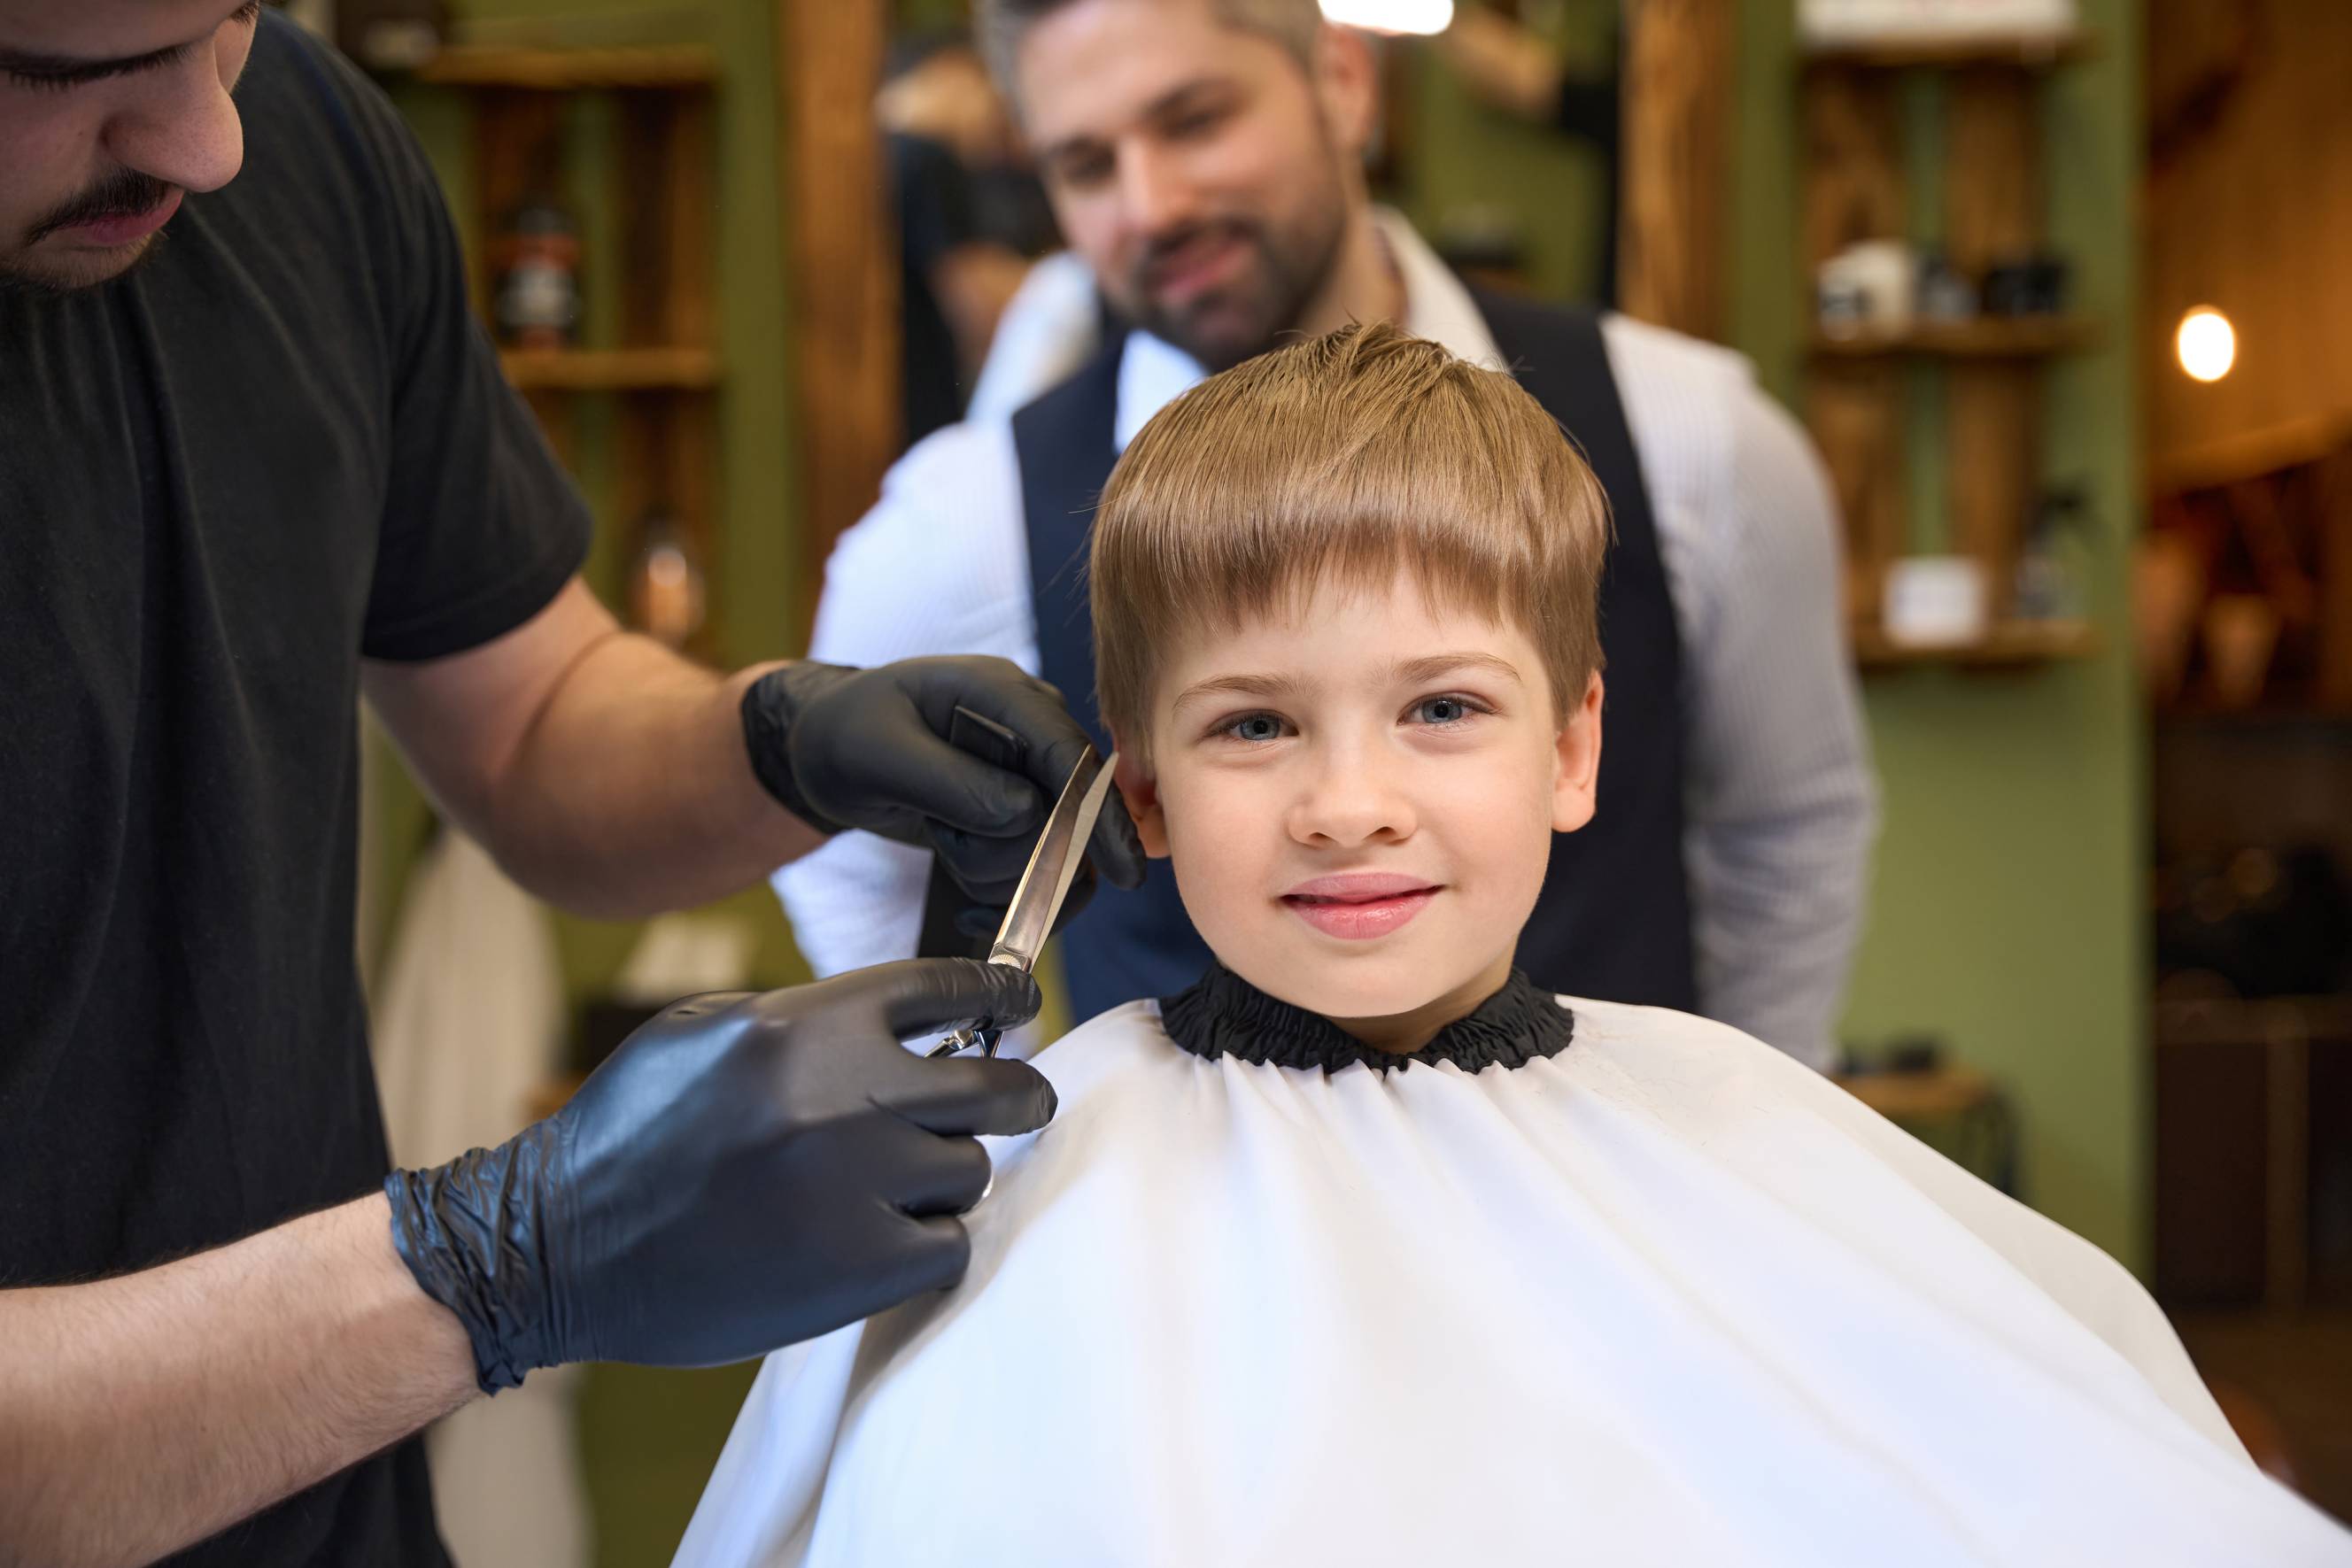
[{"x": 278, "y": 448}]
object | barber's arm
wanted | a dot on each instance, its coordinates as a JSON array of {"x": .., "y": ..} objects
[
  {"x": 745, "y": 1171},
  {"x": 610, "y": 775},
  {"x": 1783, "y": 803}
]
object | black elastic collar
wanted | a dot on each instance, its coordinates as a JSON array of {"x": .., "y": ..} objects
[{"x": 1224, "y": 1015}]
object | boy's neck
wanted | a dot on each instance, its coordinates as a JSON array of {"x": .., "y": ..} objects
[{"x": 1402, "y": 1034}]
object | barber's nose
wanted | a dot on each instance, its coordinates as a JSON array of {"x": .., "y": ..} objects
[
  {"x": 180, "y": 126},
  {"x": 1350, "y": 799},
  {"x": 1153, "y": 191}
]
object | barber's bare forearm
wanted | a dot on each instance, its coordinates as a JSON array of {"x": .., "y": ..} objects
[
  {"x": 141, "y": 1415},
  {"x": 633, "y": 792}
]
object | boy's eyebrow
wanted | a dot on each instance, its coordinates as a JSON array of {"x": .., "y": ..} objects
[
  {"x": 1270, "y": 687},
  {"x": 1412, "y": 671},
  {"x": 1408, "y": 672}
]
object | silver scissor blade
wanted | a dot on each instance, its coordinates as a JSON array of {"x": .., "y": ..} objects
[
  {"x": 1053, "y": 864},
  {"x": 1044, "y": 883}
]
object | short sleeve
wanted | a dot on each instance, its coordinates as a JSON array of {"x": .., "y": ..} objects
[{"x": 481, "y": 527}]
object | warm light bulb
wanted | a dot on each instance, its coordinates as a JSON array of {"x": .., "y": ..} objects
[
  {"x": 2207, "y": 344},
  {"x": 1423, "y": 16}
]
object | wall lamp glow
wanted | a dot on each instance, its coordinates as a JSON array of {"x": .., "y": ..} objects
[
  {"x": 1419, "y": 16},
  {"x": 2206, "y": 344}
]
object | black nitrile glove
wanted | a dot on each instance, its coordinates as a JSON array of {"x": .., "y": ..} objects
[
  {"x": 867, "y": 748},
  {"x": 746, "y": 1171}
]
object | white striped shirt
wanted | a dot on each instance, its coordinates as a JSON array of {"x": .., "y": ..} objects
[{"x": 1780, "y": 804}]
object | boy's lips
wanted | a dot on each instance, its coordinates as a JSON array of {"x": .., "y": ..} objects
[{"x": 1359, "y": 905}]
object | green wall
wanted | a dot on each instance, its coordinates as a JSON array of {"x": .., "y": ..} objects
[
  {"x": 1464, "y": 158},
  {"x": 2007, "y": 909}
]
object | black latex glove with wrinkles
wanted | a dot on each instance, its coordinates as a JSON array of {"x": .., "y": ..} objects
[
  {"x": 843, "y": 747},
  {"x": 746, "y": 1171}
]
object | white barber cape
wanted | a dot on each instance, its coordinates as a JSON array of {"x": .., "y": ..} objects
[{"x": 1665, "y": 1297}]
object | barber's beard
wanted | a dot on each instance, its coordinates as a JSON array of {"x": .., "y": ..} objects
[{"x": 1245, "y": 316}]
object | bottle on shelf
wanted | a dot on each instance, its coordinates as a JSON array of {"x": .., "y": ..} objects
[
  {"x": 536, "y": 301},
  {"x": 666, "y": 582}
]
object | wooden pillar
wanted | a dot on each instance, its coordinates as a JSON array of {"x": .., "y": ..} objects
[
  {"x": 1855, "y": 191},
  {"x": 667, "y": 439},
  {"x": 842, "y": 278},
  {"x": 1678, "y": 93},
  {"x": 1993, "y": 212}
]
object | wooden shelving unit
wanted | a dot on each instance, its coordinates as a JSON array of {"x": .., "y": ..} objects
[
  {"x": 664, "y": 367},
  {"x": 2016, "y": 51},
  {"x": 2015, "y": 646},
  {"x": 1990, "y": 337},
  {"x": 1992, "y": 367}
]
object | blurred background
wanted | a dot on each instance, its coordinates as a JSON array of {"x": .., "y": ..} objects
[{"x": 2062, "y": 290}]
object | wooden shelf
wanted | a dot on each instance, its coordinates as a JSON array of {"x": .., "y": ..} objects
[
  {"x": 611, "y": 370},
  {"x": 2022, "y": 51},
  {"x": 648, "y": 66},
  {"x": 1988, "y": 337},
  {"x": 2016, "y": 645}
]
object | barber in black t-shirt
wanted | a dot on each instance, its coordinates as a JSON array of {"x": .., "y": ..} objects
[{"x": 256, "y": 463}]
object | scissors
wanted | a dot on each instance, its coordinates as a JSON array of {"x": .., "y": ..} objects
[{"x": 1044, "y": 883}]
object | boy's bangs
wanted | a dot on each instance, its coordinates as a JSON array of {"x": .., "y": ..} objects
[
  {"x": 1221, "y": 571},
  {"x": 1335, "y": 464}
]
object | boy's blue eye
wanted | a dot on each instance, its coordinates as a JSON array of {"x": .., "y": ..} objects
[
  {"x": 1444, "y": 710},
  {"x": 1258, "y": 727}
]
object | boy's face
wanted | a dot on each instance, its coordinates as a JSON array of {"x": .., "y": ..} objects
[{"x": 1359, "y": 802}]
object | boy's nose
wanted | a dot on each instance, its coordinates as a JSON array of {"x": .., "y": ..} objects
[{"x": 1349, "y": 802}]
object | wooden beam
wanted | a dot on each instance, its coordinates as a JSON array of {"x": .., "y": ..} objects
[
  {"x": 1676, "y": 196},
  {"x": 842, "y": 278},
  {"x": 1855, "y": 191},
  {"x": 1992, "y": 409}
]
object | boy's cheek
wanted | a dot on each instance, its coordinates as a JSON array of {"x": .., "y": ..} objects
[{"x": 1222, "y": 839}]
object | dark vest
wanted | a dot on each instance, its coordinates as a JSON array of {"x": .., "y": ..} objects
[{"x": 1614, "y": 919}]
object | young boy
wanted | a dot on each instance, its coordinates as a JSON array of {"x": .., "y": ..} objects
[{"x": 1362, "y": 1251}]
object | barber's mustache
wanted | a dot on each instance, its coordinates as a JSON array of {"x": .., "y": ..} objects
[
  {"x": 1164, "y": 248},
  {"x": 123, "y": 194}
]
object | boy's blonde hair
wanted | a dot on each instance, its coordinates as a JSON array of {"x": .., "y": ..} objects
[{"x": 1338, "y": 460}]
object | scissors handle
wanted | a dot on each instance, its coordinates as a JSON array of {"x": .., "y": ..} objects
[{"x": 982, "y": 1034}]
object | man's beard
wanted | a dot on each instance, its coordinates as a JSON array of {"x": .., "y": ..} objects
[
  {"x": 1242, "y": 319},
  {"x": 124, "y": 193}
]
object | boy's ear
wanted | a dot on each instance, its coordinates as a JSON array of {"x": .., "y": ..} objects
[
  {"x": 1576, "y": 779},
  {"x": 1140, "y": 791}
]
